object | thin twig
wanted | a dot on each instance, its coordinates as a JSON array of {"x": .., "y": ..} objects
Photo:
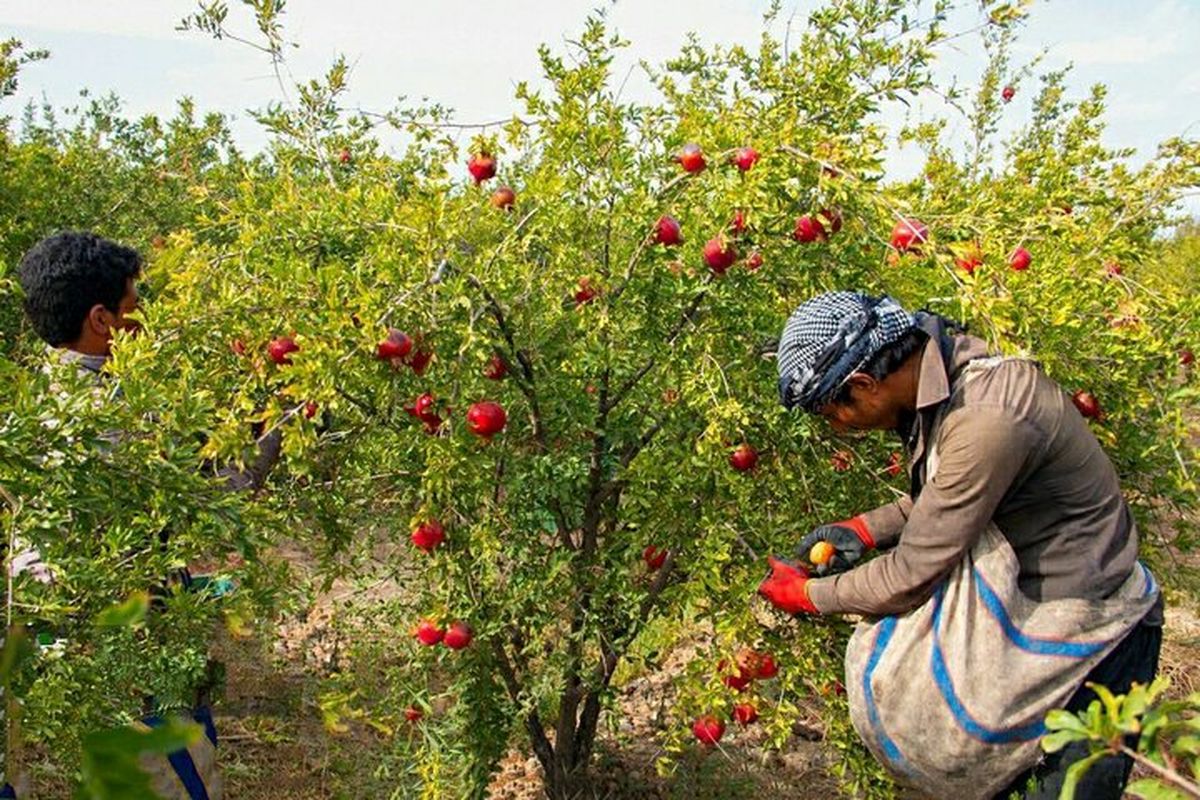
[
  {"x": 439, "y": 275},
  {"x": 1169, "y": 775},
  {"x": 646, "y": 241},
  {"x": 395, "y": 121},
  {"x": 291, "y": 412}
]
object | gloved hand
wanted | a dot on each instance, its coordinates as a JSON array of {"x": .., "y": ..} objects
[
  {"x": 849, "y": 538},
  {"x": 786, "y": 587}
]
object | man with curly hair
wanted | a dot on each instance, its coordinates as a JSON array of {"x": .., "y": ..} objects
[{"x": 80, "y": 291}]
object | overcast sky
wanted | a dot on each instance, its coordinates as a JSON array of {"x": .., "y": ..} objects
[{"x": 469, "y": 54}]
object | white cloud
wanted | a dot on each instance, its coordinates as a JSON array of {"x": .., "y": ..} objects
[
  {"x": 1127, "y": 49},
  {"x": 468, "y": 54},
  {"x": 1141, "y": 110}
]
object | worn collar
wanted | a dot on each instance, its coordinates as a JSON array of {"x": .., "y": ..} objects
[
  {"x": 933, "y": 384},
  {"x": 933, "y": 381},
  {"x": 91, "y": 363}
]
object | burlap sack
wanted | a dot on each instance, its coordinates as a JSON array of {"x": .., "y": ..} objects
[{"x": 190, "y": 774}]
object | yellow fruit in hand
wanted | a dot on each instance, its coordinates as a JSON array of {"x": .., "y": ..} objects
[{"x": 821, "y": 552}]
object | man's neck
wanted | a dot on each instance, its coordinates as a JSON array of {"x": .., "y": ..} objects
[
  {"x": 908, "y": 384},
  {"x": 908, "y": 381},
  {"x": 88, "y": 348}
]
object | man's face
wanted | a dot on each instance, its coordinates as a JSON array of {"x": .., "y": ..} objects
[
  {"x": 129, "y": 304},
  {"x": 121, "y": 321},
  {"x": 871, "y": 407}
]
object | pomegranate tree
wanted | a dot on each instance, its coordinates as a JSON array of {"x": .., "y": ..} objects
[{"x": 597, "y": 375}]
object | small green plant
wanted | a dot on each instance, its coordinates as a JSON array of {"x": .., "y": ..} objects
[{"x": 1162, "y": 736}]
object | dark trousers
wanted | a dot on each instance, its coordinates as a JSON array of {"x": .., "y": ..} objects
[{"x": 1135, "y": 660}]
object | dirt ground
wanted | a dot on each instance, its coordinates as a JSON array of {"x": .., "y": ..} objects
[{"x": 275, "y": 744}]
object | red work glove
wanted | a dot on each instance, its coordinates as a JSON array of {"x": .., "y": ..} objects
[{"x": 787, "y": 587}]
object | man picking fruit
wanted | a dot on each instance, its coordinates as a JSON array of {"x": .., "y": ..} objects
[{"x": 1004, "y": 447}]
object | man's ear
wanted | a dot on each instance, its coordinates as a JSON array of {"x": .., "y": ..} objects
[
  {"x": 99, "y": 320},
  {"x": 863, "y": 382}
]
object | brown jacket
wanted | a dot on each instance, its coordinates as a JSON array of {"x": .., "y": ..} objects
[{"x": 1012, "y": 449}]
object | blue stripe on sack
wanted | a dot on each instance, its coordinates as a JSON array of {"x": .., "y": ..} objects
[
  {"x": 883, "y": 634},
  {"x": 1032, "y": 644},
  {"x": 203, "y": 715},
  {"x": 941, "y": 676},
  {"x": 185, "y": 768},
  {"x": 1151, "y": 585}
]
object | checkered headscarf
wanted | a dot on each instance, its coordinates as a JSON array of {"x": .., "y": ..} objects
[{"x": 830, "y": 337}]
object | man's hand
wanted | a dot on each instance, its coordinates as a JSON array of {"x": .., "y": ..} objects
[
  {"x": 786, "y": 587},
  {"x": 849, "y": 539}
]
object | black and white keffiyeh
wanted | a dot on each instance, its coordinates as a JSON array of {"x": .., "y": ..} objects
[{"x": 829, "y": 338}]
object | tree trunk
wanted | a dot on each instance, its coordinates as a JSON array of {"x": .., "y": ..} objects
[
  {"x": 566, "y": 763},
  {"x": 567, "y": 779}
]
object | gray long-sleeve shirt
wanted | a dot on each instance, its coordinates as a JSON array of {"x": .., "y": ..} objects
[
  {"x": 1012, "y": 449},
  {"x": 252, "y": 478}
]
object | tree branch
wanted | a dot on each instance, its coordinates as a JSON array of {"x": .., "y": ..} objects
[
  {"x": 369, "y": 409},
  {"x": 609, "y": 659},
  {"x": 688, "y": 315},
  {"x": 526, "y": 381},
  {"x": 646, "y": 241},
  {"x": 439, "y": 274},
  {"x": 637, "y": 447},
  {"x": 398, "y": 122},
  {"x": 533, "y": 722}
]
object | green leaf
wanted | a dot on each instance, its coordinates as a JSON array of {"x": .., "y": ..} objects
[
  {"x": 1186, "y": 746},
  {"x": 127, "y": 614},
  {"x": 1151, "y": 789},
  {"x": 1076, "y": 772},
  {"x": 1112, "y": 706},
  {"x": 1135, "y": 703},
  {"x": 1056, "y": 741},
  {"x": 1152, "y": 722},
  {"x": 1157, "y": 687},
  {"x": 111, "y": 768},
  {"x": 1060, "y": 720}
]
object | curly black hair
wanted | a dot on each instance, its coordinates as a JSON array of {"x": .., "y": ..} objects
[{"x": 65, "y": 275}]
